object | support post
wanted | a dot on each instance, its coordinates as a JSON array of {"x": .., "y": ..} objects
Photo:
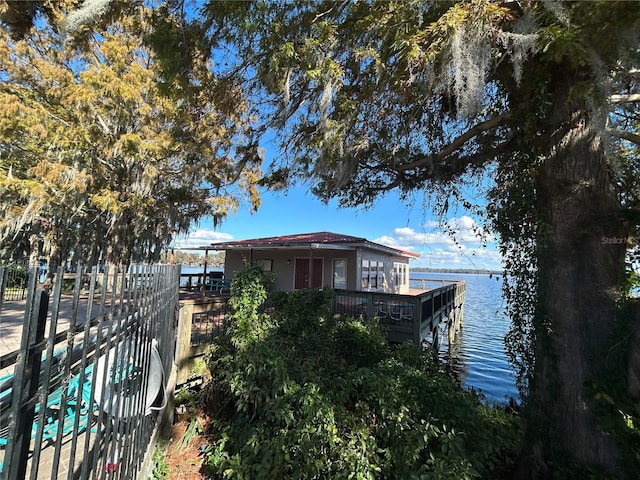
[
  {"x": 3, "y": 283},
  {"x": 27, "y": 381},
  {"x": 183, "y": 340}
]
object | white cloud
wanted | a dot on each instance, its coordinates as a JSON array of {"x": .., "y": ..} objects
[
  {"x": 466, "y": 230},
  {"x": 407, "y": 238},
  {"x": 201, "y": 238},
  {"x": 453, "y": 257},
  {"x": 463, "y": 230},
  {"x": 457, "y": 243}
]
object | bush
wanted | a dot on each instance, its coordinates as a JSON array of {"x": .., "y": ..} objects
[{"x": 312, "y": 396}]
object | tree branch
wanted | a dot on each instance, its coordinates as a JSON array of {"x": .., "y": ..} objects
[
  {"x": 456, "y": 143},
  {"x": 631, "y": 137},
  {"x": 630, "y": 98}
]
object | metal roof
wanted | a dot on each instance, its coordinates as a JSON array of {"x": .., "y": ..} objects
[{"x": 316, "y": 240}]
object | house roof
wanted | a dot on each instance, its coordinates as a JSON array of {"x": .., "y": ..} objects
[{"x": 317, "y": 240}]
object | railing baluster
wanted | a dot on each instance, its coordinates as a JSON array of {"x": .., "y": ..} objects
[{"x": 47, "y": 373}]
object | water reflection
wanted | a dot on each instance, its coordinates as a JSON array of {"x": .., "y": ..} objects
[
  {"x": 452, "y": 355},
  {"x": 477, "y": 358}
]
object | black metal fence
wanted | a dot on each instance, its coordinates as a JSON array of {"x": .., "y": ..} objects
[
  {"x": 78, "y": 400},
  {"x": 13, "y": 283}
]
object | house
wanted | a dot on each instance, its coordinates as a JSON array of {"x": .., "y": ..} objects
[{"x": 314, "y": 260}]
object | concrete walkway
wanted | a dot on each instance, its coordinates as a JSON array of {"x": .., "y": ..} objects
[{"x": 12, "y": 318}]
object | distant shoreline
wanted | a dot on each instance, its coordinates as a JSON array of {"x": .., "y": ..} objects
[
  {"x": 417, "y": 269},
  {"x": 457, "y": 270}
]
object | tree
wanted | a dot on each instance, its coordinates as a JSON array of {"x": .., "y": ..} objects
[
  {"x": 102, "y": 160},
  {"x": 367, "y": 97}
]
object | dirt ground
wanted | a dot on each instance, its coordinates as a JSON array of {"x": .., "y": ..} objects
[{"x": 183, "y": 455}]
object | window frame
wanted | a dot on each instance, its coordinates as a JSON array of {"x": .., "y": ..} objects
[{"x": 344, "y": 270}]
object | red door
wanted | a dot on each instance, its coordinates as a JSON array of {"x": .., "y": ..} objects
[{"x": 302, "y": 273}]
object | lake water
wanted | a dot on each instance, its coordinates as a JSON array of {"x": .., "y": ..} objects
[{"x": 478, "y": 355}]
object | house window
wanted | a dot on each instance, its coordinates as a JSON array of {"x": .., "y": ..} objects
[
  {"x": 365, "y": 274},
  {"x": 267, "y": 265},
  {"x": 340, "y": 274},
  {"x": 373, "y": 274},
  {"x": 400, "y": 271}
]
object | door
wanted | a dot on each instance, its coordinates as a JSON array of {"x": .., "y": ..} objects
[{"x": 302, "y": 271}]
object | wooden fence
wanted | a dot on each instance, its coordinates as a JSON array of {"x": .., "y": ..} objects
[
  {"x": 201, "y": 319},
  {"x": 84, "y": 388}
]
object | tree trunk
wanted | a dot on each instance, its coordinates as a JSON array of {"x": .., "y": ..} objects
[
  {"x": 633, "y": 361},
  {"x": 581, "y": 269},
  {"x": 34, "y": 250}
]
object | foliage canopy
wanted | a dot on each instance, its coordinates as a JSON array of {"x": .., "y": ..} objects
[{"x": 105, "y": 158}]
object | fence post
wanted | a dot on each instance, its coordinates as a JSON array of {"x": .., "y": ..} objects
[
  {"x": 3, "y": 283},
  {"x": 183, "y": 340},
  {"x": 27, "y": 382}
]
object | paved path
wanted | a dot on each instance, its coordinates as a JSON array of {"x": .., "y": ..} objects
[{"x": 12, "y": 320}]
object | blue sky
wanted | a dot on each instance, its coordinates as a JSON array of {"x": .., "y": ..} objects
[{"x": 390, "y": 222}]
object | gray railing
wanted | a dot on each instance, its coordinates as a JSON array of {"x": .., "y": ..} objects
[
  {"x": 79, "y": 398},
  {"x": 414, "y": 318},
  {"x": 194, "y": 281},
  {"x": 408, "y": 317}
]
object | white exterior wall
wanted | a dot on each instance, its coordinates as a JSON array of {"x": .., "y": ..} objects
[
  {"x": 388, "y": 284},
  {"x": 283, "y": 265}
]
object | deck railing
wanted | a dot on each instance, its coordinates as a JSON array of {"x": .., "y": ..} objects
[
  {"x": 408, "y": 317},
  {"x": 194, "y": 281},
  {"x": 415, "y": 318}
]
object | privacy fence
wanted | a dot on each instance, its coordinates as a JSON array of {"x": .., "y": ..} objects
[{"x": 80, "y": 397}]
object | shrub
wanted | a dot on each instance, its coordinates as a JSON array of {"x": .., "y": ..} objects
[{"x": 311, "y": 396}]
